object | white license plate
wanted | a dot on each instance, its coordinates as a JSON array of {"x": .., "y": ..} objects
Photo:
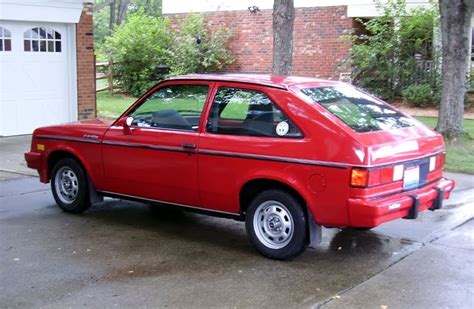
[{"x": 411, "y": 177}]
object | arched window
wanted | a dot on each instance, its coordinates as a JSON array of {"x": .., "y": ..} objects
[
  {"x": 5, "y": 39},
  {"x": 42, "y": 39}
]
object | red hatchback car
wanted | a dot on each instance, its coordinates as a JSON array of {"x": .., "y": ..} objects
[{"x": 286, "y": 154}]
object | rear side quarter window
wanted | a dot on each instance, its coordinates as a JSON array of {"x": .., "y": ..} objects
[
  {"x": 357, "y": 110},
  {"x": 238, "y": 111}
]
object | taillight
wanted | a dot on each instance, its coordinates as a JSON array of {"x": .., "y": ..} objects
[
  {"x": 376, "y": 176},
  {"x": 398, "y": 172},
  {"x": 432, "y": 163},
  {"x": 440, "y": 161},
  {"x": 437, "y": 162},
  {"x": 359, "y": 177}
]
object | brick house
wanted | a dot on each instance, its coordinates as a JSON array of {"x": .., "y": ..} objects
[
  {"x": 319, "y": 48},
  {"x": 47, "y": 65}
]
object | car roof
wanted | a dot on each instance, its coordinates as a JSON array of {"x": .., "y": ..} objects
[{"x": 276, "y": 81}]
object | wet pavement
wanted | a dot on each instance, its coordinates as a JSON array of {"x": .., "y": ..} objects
[{"x": 129, "y": 254}]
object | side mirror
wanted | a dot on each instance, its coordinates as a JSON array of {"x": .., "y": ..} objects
[{"x": 127, "y": 124}]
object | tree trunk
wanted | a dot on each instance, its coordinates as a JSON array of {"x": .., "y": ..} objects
[
  {"x": 122, "y": 14},
  {"x": 112, "y": 16},
  {"x": 283, "y": 16},
  {"x": 455, "y": 30}
]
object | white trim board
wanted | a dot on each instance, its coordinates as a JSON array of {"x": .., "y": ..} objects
[{"x": 62, "y": 11}]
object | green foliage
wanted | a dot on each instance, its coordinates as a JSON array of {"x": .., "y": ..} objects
[
  {"x": 137, "y": 46},
  {"x": 101, "y": 25},
  {"x": 149, "y": 7},
  {"x": 102, "y": 17},
  {"x": 189, "y": 57},
  {"x": 142, "y": 42},
  {"x": 392, "y": 52},
  {"x": 420, "y": 95}
]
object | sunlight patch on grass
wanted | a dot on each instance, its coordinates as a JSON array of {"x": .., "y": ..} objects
[
  {"x": 112, "y": 106},
  {"x": 460, "y": 153}
]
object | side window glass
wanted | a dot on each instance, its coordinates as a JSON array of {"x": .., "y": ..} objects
[
  {"x": 5, "y": 39},
  {"x": 177, "y": 107},
  {"x": 248, "y": 112}
]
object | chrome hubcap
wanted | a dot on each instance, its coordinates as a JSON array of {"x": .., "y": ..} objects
[
  {"x": 273, "y": 224},
  {"x": 67, "y": 185}
]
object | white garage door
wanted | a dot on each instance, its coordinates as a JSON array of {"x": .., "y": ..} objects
[{"x": 34, "y": 76}]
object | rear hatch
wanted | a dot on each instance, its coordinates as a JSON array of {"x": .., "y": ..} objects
[
  {"x": 400, "y": 152},
  {"x": 413, "y": 155}
]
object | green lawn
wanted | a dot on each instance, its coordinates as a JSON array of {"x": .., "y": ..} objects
[
  {"x": 112, "y": 106},
  {"x": 460, "y": 154}
]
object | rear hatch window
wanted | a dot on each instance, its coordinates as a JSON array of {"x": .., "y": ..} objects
[{"x": 356, "y": 109}]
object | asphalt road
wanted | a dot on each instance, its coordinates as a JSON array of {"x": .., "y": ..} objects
[{"x": 124, "y": 254}]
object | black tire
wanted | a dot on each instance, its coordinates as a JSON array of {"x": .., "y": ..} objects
[
  {"x": 259, "y": 217},
  {"x": 362, "y": 229},
  {"x": 74, "y": 199}
]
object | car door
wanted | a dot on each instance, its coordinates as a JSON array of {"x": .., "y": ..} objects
[
  {"x": 243, "y": 130},
  {"x": 156, "y": 158}
]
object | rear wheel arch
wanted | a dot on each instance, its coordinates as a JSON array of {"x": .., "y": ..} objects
[{"x": 253, "y": 187}]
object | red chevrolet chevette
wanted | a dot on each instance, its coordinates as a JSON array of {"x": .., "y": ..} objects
[{"x": 287, "y": 155}]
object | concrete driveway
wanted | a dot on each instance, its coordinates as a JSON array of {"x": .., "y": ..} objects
[{"x": 124, "y": 254}]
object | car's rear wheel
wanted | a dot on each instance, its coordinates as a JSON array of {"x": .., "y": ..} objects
[
  {"x": 69, "y": 186},
  {"x": 276, "y": 225}
]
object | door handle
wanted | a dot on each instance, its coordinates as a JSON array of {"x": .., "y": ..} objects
[{"x": 189, "y": 146}]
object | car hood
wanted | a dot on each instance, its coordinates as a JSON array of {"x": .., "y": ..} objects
[{"x": 78, "y": 129}]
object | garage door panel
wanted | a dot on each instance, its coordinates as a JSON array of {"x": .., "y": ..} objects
[{"x": 34, "y": 86}]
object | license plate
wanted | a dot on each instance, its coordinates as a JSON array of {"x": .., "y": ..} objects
[{"x": 411, "y": 177}]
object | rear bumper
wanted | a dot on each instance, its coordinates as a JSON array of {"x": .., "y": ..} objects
[{"x": 370, "y": 213}]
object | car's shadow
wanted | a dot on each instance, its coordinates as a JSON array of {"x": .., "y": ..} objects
[{"x": 168, "y": 222}]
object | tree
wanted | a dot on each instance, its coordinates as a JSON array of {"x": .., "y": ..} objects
[
  {"x": 455, "y": 16},
  {"x": 109, "y": 13},
  {"x": 283, "y": 17},
  {"x": 197, "y": 48},
  {"x": 137, "y": 47}
]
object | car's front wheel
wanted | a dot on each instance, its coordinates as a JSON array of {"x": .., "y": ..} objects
[
  {"x": 276, "y": 225},
  {"x": 69, "y": 186}
]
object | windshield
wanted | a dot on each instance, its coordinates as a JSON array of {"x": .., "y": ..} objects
[{"x": 357, "y": 110}]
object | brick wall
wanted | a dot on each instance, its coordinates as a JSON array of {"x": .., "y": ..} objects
[
  {"x": 86, "y": 98},
  {"x": 318, "y": 45}
]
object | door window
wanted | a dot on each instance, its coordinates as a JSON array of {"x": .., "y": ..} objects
[
  {"x": 177, "y": 107},
  {"x": 248, "y": 112}
]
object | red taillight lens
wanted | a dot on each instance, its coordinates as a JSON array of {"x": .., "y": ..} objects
[
  {"x": 359, "y": 177},
  {"x": 377, "y": 176},
  {"x": 386, "y": 175},
  {"x": 440, "y": 161}
]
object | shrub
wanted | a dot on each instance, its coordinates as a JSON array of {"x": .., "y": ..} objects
[
  {"x": 392, "y": 51},
  {"x": 142, "y": 42},
  {"x": 189, "y": 56},
  {"x": 137, "y": 47},
  {"x": 420, "y": 95}
]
